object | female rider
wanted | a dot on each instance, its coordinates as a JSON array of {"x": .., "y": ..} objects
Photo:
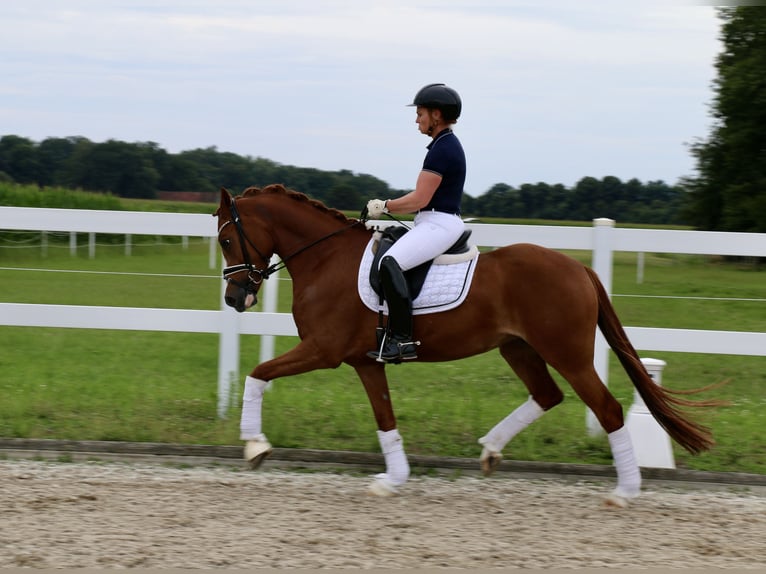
[{"x": 436, "y": 199}]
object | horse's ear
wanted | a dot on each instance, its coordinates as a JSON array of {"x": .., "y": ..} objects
[{"x": 225, "y": 197}]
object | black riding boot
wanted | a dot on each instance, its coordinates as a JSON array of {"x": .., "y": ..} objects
[{"x": 397, "y": 344}]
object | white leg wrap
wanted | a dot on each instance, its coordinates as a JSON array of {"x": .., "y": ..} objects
[
  {"x": 628, "y": 473},
  {"x": 252, "y": 401},
  {"x": 397, "y": 467},
  {"x": 524, "y": 415}
]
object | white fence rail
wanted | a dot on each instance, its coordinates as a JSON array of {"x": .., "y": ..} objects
[{"x": 603, "y": 239}]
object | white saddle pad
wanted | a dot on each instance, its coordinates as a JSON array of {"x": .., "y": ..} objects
[{"x": 445, "y": 287}]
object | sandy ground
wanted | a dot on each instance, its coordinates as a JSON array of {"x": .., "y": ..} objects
[{"x": 115, "y": 515}]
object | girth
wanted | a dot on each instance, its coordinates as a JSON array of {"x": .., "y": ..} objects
[{"x": 417, "y": 275}]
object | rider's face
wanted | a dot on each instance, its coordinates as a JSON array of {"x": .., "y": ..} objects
[{"x": 425, "y": 119}]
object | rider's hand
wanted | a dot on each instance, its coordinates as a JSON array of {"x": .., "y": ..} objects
[{"x": 376, "y": 208}]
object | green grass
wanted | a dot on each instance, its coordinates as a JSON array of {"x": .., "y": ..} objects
[{"x": 161, "y": 387}]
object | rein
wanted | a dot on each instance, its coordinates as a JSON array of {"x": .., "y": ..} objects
[
  {"x": 256, "y": 276},
  {"x": 364, "y": 216}
]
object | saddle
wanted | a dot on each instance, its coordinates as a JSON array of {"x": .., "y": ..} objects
[{"x": 417, "y": 275}]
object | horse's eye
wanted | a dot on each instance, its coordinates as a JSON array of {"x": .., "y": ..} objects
[{"x": 225, "y": 243}]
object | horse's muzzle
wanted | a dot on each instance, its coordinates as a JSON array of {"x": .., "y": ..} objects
[{"x": 241, "y": 300}]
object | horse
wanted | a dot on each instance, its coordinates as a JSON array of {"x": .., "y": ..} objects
[{"x": 537, "y": 306}]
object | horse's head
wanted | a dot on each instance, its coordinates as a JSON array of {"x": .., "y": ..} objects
[{"x": 246, "y": 265}]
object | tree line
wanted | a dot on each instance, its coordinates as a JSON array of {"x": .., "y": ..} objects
[{"x": 141, "y": 170}]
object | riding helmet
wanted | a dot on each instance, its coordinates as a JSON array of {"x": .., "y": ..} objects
[{"x": 441, "y": 97}]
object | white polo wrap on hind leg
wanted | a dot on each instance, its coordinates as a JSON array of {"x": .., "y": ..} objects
[
  {"x": 397, "y": 467},
  {"x": 524, "y": 415},
  {"x": 252, "y": 401},
  {"x": 628, "y": 473}
]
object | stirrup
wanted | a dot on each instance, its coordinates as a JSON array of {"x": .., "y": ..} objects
[{"x": 404, "y": 351}]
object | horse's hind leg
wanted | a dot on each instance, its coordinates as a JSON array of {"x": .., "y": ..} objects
[
  {"x": 588, "y": 386},
  {"x": 544, "y": 394}
]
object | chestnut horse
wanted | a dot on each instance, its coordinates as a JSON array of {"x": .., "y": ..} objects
[{"x": 537, "y": 306}]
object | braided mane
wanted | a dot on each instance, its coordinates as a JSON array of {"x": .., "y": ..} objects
[{"x": 297, "y": 196}]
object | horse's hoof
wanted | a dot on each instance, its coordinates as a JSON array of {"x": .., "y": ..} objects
[
  {"x": 256, "y": 451},
  {"x": 615, "y": 500},
  {"x": 382, "y": 487},
  {"x": 489, "y": 461},
  {"x": 621, "y": 496}
]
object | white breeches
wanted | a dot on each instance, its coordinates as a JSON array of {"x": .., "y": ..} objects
[{"x": 433, "y": 233}]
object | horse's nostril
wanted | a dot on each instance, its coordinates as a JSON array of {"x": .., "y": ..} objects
[{"x": 230, "y": 301}]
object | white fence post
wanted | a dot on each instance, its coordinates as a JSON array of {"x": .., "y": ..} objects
[
  {"x": 270, "y": 299},
  {"x": 228, "y": 355},
  {"x": 212, "y": 252},
  {"x": 651, "y": 443},
  {"x": 603, "y": 246}
]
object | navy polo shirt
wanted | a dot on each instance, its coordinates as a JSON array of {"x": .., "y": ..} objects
[{"x": 446, "y": 158}]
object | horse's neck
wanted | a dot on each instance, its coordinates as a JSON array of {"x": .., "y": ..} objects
[
  {"x": 295, "y": 229},
  {"x": 308, "y": 238}
]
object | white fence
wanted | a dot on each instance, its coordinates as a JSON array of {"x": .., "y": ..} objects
[{"x": 603, "y": 239}]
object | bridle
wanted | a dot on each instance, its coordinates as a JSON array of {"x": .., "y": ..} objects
[{"x": 255, "y": 276}]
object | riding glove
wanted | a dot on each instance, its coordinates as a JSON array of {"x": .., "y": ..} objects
[{"x": 376, "y": 208}]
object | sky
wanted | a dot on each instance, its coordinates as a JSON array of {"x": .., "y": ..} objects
[{"x": 553, "y": 90}]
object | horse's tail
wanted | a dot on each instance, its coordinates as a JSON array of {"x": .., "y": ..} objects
[{"x": 661, "y": 402}]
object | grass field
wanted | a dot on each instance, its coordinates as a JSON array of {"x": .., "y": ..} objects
[{"x": 143, "y": 386}]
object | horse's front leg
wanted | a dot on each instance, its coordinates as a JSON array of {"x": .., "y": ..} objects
[
  {"x": 373, "y": 378},
  {"x": 301, "y": 359},
  {"x": 257, "y": 446}
]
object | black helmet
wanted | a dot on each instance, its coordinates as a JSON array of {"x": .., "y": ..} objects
[{"x": 440, "y": 97}]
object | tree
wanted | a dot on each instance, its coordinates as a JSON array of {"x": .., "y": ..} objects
[
  {"x": 18, "y": 159},
  {"x": 584, "y": 195},
  {"x": 176, "y": 173},
  {"x": 501, "y": 200},
  {"x": 729, "y": 193},
  {"x": 557, "y": 199},
  {"x": 53, "y": 154},
  {"x": 343, "y": 196},
  {"x": 120, "y": 168}
]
